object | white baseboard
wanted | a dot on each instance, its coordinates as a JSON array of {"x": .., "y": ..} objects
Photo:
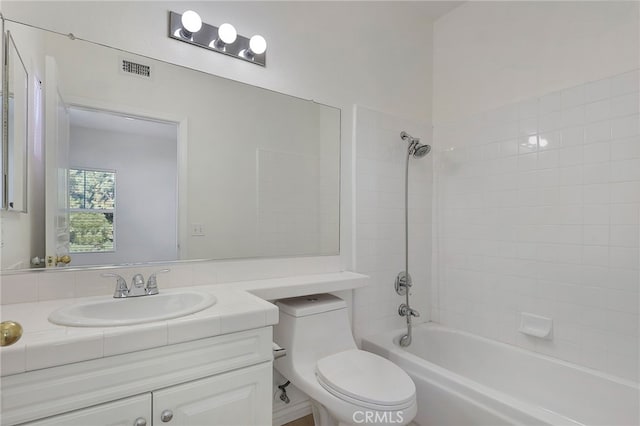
[{"x": 291, "y": 412}]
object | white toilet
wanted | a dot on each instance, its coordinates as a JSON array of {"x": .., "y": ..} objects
[{"x": 347, "y": 386}]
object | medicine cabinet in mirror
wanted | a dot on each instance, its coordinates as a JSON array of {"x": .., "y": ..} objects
[
  {"x": 148, "y": 161},
  {"x": 15, "y": 127}
]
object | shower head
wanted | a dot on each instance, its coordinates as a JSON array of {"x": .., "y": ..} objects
[
  {"x": 420, "y": 150},
  {"x": 417, "y": 149}
]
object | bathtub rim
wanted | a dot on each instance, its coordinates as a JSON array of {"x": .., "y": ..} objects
[
  {"x": 387, "y": 342},
  {"x": 431, "y": 324}
]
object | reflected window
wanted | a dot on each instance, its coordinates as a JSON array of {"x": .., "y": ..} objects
[{"x": 92, "y": 200}]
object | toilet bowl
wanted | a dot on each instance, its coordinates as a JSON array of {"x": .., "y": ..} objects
[{"x": 346, "y": 386}]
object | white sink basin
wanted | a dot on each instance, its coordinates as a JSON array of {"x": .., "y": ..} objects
[{"x": 102, "y": 312}]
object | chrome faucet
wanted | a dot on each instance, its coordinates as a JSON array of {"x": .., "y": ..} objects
[{"x": 138, "y": 287}]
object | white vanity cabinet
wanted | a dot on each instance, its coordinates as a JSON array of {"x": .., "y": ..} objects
[
  {"x": 241, "y": 398},
  {"x": 221, "y": 380}
]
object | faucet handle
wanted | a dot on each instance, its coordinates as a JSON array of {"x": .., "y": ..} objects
[
  {"x": 121, "y": 285},
  {"x": 152, "y": 282}
]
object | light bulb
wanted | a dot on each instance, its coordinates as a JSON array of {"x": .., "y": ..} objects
[
  {"x": 191, "y": 21},
  {"x": 227, "y": 33},
  {"x": 257, "y": 44}
]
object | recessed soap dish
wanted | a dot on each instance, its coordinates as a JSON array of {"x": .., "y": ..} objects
[{"x": 536, "y": 326}]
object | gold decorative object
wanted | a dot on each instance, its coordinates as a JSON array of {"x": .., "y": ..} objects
[
  {"x": 66, "y": 259},
  {"x": 10, "y": 332}
]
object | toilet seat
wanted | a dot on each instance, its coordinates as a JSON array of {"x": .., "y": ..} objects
[{"x": 366, "y": 379}]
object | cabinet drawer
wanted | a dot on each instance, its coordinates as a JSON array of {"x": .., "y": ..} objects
[{"x": 124, "y": 412}]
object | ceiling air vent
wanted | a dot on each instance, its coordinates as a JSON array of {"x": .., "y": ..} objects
[{"x": 136, "y": 69}]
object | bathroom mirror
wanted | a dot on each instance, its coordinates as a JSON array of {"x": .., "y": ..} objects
[
  {"x": 15, "y": 113},
  {"x": 254, "y": 173}
]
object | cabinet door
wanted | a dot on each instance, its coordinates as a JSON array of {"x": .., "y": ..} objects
[
  {"x": 241, "y": 397},
  {"x": 133, "y": 411}
]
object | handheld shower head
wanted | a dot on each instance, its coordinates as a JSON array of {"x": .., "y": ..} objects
[{"x": 417, "y": 149}]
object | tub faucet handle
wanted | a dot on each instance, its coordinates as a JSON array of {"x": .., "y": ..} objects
[{"x": 404, "y": 310}]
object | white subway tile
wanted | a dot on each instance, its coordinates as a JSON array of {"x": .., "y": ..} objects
[
  {"x": 573, "y": 116},
  {"x": 595, "y": 255},
  {"x": 549, "y": 103},
  {"x": 596, "y": 173},
  {"x": 573, "y": 175},
  {"x": 625, "y": 149},
  {"x": 56, "y": 285},
  {"x": 597, "y": 152},
  {"x": 597, "y": 111},
  {"x": 596, "y": 235},
  {"x": 527, "y": 127},
  {"x": 550, "y": 122},
  {"x": 625, "y": 83},
  {"x": 571, "y": 156},
  {"x": 624, "y": 279},
  {"x": 625, "y": 235},
  {"x": 527, "y": 161},
  {"x": 597, "y": 90},
  {"x": 548, "y": 159},
  {"x": 549, "y": 141},
  {"x": 626, "y": 170},
  {"x": 570, "y": 195},
  {"x": 625, "y": 214},
  {"x": 572, "y": 136},
  {"x": 625, "y": 105},
  {"x": 625, "y": 192},
  {"x": 624, "y": 257},
  {"x": 597, "y": 132},
  {"x": 597, "y": 193},
  {"x": 623, "y": 365},
  {"x": 573, "y": 96},
  {"x": 18, "y": 288},
  {"x": 625, "y": 127},
  {"x": 596, "y": 214}
]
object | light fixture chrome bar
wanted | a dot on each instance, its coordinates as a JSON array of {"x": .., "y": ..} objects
[{"x": 207, "y": 36}]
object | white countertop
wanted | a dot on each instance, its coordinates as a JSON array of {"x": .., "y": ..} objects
[{"x": 44, "y": 344}]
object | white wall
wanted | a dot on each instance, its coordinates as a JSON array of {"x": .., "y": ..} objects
[
  {"x": 331, "y": 52},
  {"x": 146, "y": 192},
  {"x": 490, "y": 53},
  {"x": 538, "y": 184}
]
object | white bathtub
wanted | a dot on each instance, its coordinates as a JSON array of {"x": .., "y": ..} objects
[{"x": 465, "y": 380}]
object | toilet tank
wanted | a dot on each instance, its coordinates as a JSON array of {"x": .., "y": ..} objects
[{"x": 312, "y": 327}]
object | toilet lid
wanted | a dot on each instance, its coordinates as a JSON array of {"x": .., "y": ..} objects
[{"x": 365, "y": 377}]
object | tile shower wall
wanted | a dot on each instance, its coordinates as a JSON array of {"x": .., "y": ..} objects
[
  {"x": 380, "y": 164},
  {"x": 538, "y": 210}
]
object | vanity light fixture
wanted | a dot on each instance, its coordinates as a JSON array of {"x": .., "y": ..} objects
[{"x": 189, "y": 28}]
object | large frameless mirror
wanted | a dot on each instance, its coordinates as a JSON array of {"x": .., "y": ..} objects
[{"x": 147, "y": 161}]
